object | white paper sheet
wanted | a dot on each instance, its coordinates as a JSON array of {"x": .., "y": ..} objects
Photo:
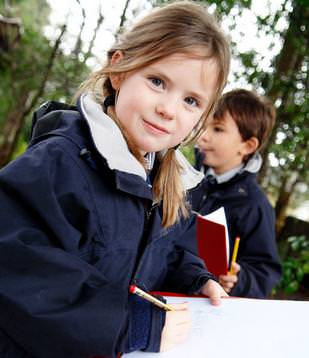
[{"x": 242, "y": 328}]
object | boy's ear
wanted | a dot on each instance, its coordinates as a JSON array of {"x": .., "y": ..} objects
[
  {"x": 250, "y": 146},
  {"x": 116, "y": 78}
]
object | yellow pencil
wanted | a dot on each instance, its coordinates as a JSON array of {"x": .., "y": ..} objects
[
  {"x": 234, "y": 255},
  {"x": 146, "y": 296}
]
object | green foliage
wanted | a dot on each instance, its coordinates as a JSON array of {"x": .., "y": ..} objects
[
  {"x": 20, "y": 148},
  {"x": 23, "y": 67},
  {"x": 188, "y": 152},
  {"x": 295, "y": 262},
  {"x": 33, "y": 12}
]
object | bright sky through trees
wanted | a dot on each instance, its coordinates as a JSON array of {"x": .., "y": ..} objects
[{"x": 245, "y": 33}]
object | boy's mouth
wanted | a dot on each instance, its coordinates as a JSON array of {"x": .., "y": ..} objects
[{"x": 207, "y": 150}]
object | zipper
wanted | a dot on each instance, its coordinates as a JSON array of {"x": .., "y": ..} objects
[
  {"x": 143, "y": 248},
  {"x": 148, "y": 214}
]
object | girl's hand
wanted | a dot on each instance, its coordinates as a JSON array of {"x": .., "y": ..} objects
[
  {"x": 214, "y": 291},
  {"x": 230, "y": 280},
  {"x": 176, "y": 328}
]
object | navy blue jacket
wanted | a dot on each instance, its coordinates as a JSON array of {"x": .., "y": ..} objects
[
  {"x": 75, "y": 233},
  {"x": 251, "y": 217}
]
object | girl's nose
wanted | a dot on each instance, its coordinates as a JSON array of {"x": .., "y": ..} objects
[{"x": 166, "y": 109}]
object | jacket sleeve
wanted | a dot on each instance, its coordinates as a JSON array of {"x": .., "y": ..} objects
[
  {"x": 258, "y": 256},
  {"x": 187, "y": 272},
  {"x": 53, "y": 302}
]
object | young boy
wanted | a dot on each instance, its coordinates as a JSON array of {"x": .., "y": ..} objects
[{"x": 228, "y": 155}]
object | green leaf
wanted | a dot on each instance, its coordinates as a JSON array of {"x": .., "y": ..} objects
[{"x": 291, "y": 287}]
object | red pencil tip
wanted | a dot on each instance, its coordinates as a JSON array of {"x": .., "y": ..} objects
[{"x": 132, "y": 288}]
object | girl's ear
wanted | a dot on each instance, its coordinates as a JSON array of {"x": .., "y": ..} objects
[
  {"x": 116, "y": 78},
  {"x": 250, "y": 146}
]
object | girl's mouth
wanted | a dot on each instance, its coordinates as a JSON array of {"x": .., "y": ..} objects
[{"x": 154, "y": 128}]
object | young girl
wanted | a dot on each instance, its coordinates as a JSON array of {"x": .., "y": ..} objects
[{"x": 97, "y": 202}]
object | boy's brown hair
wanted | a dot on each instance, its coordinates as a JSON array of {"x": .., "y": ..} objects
[{"x": 254, "y": 115}]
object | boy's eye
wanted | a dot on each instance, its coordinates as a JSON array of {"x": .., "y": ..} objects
[
  {"x": 191, "y": 101},
  {"x": 156, "y": 81},
  {"x": 218, "y": 129}
]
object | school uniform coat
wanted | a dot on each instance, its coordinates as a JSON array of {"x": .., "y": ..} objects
[
  {"x": 249, "y": 216},
  {"x": 78, "y": 226}
]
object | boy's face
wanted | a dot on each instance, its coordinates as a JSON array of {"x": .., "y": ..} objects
[
  {"x": 222, "y": 144},
  {"x": 159, "y": 105}
]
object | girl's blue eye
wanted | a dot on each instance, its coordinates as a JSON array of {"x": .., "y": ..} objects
[
  {"x": 156, "y": 81},
  {"x": 191, "y": 101}
]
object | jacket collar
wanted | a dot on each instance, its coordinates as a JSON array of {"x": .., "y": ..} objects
[
  {"x": 252, "y": 166},
  {"x": 111, "y": 144},
  {"x": 108, "y": 138}
]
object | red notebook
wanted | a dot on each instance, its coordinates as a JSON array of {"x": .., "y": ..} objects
[{"x": 213, "y": 241}]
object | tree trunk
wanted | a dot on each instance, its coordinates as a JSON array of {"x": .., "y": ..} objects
[
  {"x": 283, "y": 201},
  {"x": 11, "y": 130},
  {"x": 124, "y": 14}
]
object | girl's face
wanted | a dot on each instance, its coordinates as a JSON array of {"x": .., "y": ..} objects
[{"x": 159, "y": 105}]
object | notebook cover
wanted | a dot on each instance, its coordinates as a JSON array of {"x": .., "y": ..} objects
[{"x": 211, "y": 243}]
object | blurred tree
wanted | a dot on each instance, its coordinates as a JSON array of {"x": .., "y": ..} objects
[
  {"x": 10, "y": 32},
  {"x": 25, "y": 70},
  {"x": 34, "y": 69},
  {"x": 288, "y": 88},
  {"x": 22, "y": 73}
]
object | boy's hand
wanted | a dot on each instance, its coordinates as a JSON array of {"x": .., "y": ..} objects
[
  {"x": 176, "y": 328},
  {"x": 214, "y": 291},
  {"x": 229, "y": 281}
]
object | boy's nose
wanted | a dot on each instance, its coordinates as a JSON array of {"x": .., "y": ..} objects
[{"x": 204, "y": 138}]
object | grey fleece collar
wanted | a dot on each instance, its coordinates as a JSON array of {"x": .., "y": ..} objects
[
  {"x": 111, "y": 144},
  {"x": 254, "y": 163}
]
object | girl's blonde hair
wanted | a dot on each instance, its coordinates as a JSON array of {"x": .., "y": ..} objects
[{"x": 180, "y": 27}]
